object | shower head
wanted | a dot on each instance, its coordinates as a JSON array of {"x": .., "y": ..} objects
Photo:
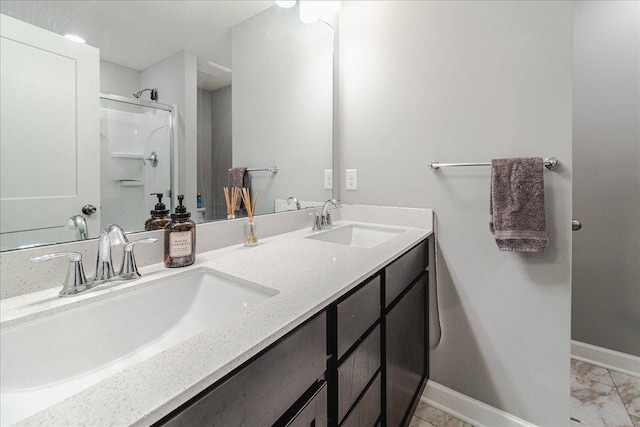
[{"x": 154, "y": 93}]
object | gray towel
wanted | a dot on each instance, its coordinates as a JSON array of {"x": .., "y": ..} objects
[
  {"x": 237, "y": 177},
  {"x": 517, "y": 204}
]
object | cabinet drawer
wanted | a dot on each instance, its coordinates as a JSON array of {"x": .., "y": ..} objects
[
  {"x": 367, "y": 411},
  {"x": 357, "y": 313},
  {"x": 405, "y": 270},
  {"x": 262, "y": 392},
  {"x": 357, "y": 370},
  {"x": 314, "y": 412}
]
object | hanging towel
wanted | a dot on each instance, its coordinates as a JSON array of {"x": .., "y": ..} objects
[
  {"x": 516, "y": 206},
  {"x": 238, "y": 177}
]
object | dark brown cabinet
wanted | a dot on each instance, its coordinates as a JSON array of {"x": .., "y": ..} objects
[
  {"x": 265, "y": 389},
  {"x": 313, "y": 413},
  {"x": 368, "y": 409},
  {"x": 357, "y": 313},
  {"x": 362, "y": 361},
  {"x": 406, "y": 353},
  {"x": 357, "y": 371},
  {"x": 403, "y": 271}
]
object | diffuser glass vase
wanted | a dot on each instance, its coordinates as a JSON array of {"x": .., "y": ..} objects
[{"x": 250, "y": 233}]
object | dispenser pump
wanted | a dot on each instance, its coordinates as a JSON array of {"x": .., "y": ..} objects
[
  {"x": 181, "y": 211},
  {"x": 160, "y": 208}
]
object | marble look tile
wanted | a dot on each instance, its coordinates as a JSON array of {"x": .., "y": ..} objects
[
  {"x": 635, "y": 420},
  {"x": 590, "y": 372},
  {"x": 437, "y": 418},
  {"x": 629, "y": 390},
  {"x": 417, "y": 422},
  {"x": 597, "y": 404}
]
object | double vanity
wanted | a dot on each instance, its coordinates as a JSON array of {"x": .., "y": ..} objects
[{"x": 307, "y": 328}]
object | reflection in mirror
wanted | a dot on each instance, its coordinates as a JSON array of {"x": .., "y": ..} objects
[
  {"x": 135, "y": 159},
  {"x": 61, "y": 144}
]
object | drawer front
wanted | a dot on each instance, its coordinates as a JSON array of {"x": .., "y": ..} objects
[
  {"x": 367, "y": 411},
  {"x": 357, "y": 313},
  {"x": 405, "y": 270},
  {"x": 263, "y": 391},
  {"x": 314, "y": 413},
  {"x": 357, "y": 370}
]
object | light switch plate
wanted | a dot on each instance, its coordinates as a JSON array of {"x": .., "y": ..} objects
[
  {"x": 352, "y": 179},
  {"x": 328, "y": 179}
]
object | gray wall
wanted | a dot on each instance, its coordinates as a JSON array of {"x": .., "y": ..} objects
[
  {"x": 283, "y": 104},
  {"x": 204, "y": 151},
  {"x": 471, "y": 81},
  {"x": 221, "y": 148},
  {"x": 214, "y": 149},
  {"x": 119, "y": 80},
  {"x": 606, "y": 188},
  {"x": 176, "y": 77}
]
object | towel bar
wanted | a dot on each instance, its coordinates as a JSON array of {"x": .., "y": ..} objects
[
  {"x": 272, "y": 169},
  {"x": 550, "y": 163}
]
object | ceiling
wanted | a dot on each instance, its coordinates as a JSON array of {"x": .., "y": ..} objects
[{"x": 138, "y": 34}]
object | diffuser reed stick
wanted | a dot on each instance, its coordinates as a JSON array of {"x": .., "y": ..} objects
[
  {"x": 231, "y": 200},
  {"x": 250, "y": 237}
]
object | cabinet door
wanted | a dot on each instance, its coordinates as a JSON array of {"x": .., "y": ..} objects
[
  {"x": 50, "y": 133},
  {"x": 406, "y": 352}
]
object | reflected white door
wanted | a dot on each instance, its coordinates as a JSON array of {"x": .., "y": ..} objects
[{"x": 50, "y": 133}]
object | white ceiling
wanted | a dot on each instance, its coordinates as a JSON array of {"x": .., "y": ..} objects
[{"x": 137, "y": 34}]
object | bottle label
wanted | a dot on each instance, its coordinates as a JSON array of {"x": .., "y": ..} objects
[{"x": 180, "y": 244}]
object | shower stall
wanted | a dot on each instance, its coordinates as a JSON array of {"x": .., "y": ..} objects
[{"x": 136, "y": 152}]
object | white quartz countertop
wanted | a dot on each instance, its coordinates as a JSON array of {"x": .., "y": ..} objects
[{"x": 308, "y": 275}]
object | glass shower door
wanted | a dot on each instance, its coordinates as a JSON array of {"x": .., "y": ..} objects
[{"x": 136, "y": 145}]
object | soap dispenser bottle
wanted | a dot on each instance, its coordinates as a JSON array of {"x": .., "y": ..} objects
[
  {"x": 159, "y": 216},
  {"x": 180, "y": 238}
]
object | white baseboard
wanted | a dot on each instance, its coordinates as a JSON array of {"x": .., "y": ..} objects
[
  {"x": 467, "y": 409},
  {"x": 609, "y": 359}
]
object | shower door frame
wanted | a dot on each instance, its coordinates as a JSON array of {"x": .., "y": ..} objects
[{"x": 173, "y": 138}]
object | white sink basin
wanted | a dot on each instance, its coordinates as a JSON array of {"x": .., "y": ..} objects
[
  {"x": 47, "y": 360},
  {"x": 359, "y": 236}
]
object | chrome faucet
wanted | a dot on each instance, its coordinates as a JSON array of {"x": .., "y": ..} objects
[
  {"x": 78, "y": 223},
  {"x": 323, "y": 219},
  {"x": 113, "y": 234},
  {"x": 293, "y": 199},
  {"x": 76, "y": 281}
]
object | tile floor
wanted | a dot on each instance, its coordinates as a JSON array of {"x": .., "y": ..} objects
[
  {"x": 599, "y": 398},
  {"x": 603, "y": 398},
  {"x": 428, "y": 416}
]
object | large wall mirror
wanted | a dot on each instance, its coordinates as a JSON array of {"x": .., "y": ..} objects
[{"x": 165, "y": 97}]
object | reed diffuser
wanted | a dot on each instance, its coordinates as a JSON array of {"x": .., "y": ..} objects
[
  {"x": 250, "y": 229},
  {"x": 232, "y": 201}
]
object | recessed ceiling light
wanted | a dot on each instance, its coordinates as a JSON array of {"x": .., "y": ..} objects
[{"x": 75, "y": 38}]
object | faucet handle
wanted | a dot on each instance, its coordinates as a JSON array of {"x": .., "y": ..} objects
[
  {"x": 317, "y": 221},
  {"x": 129, "y": 269},
  {"x": 76, "y": 281}
]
